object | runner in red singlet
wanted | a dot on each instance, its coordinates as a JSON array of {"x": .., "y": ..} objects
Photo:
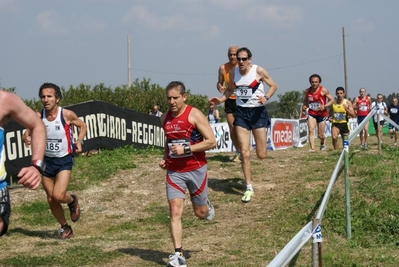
[
  {"x": 188, "y": 136},
  {"x": 315, "y": 101},
  {"x": 362, "y": 107}
]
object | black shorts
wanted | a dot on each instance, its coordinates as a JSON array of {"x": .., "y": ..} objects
[
  {"x": 56, "y": 165},
  {"x": 230, "y": 106},
  {"x": 5, "y": 207},
  {"x": 376, "y": 124},
  {"x": 251, "y": 118},
  {"x": 342, "y": 127}
]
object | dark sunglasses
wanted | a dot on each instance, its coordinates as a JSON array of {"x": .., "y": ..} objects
[{"x": 242, "y": 58}]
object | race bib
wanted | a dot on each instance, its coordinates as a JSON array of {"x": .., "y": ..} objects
[
  {"x": 244, "y": 92},
  {"x": 53, "y": 146},
  {"x": 363, "y": 108},
  {"x": 394, "y": 110},
  {"x": 179, "y": 142},
  {"x": 314, "y": 106},
  {"x": 339, "y": 116}
]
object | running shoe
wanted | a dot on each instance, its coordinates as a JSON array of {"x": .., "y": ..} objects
[
  {"x": 211, "y": 212},
  {"x": 365, "y": 146},
  {"x": 65, "y": 232},
  {"x": 236, "y": 157},
  {"x": 391, "y": 135},
  {"x": 395, "y": 144},
  {"x": 247, "y": 196},
  {"x": 311, "y": 150},
  {"x": 176, "y": 260},
  {"x": 323, "y": 147},
  {"x": 74, "y": 209}
]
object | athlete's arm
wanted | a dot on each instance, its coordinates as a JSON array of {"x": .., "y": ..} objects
[
  {"x": 220, "y": 83},
  {"x": 305, "y": 101},
  {"x": 73, "y": 119},
  {"x": 264, "y": 76},
  {"x": 355, "y": 107},
  {"x": 369, "y": 105},
  {"x": 162, "y": 162},
  {"x": 349, "y": 109},
  {"x": 326, "y": 93},
  {"x": 201, "y": 123},
  {"x": 26, "y": 136},
  {"x": 227, "y": 93},
  {"x": 217, "y": 114},
  {"x": 18, "y": 111}
]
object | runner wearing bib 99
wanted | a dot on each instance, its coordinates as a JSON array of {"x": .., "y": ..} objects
[
  {"x": 58, "y": 158},
  {"x": 251, "y": 115},
  {"x": 341, "y": 109},
  {"x": 315, "y": 99}
]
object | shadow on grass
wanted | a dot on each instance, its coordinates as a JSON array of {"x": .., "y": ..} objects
[
  {"x": 233, "y": 186},
  {"x": 41, "y": 234},
  {"x": 150, "y": 255},
  {"x": 219, "y": 157}
]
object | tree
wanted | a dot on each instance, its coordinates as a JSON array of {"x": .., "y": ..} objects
[
  {"x": 11, "y": 89},
  {"x": 290, "y": 104}
]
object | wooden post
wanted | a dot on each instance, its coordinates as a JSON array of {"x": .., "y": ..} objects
[{"x": 316, "y": 246}]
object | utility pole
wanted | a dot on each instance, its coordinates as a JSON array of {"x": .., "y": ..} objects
[
  {"x": 344, "y": 53},
  {"x": 128, "y": 62}
]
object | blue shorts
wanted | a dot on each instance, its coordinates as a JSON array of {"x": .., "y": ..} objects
[
  {"x": 318, "y": 119},
  {"x": 393, "y": 127},
  {"x": 251, "y": 118},
  {"x": 56, "y": 165},
  {"x": 360, "y": 119}
]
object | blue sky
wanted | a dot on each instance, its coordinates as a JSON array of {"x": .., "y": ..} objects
[{"x": 85, "y": 41}]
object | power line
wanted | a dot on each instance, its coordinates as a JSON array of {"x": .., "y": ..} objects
[
  {"x": 209, "y": 74},
  {"x": 304, "y": 63}
]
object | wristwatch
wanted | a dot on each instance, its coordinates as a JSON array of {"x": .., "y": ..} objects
[
  {"x": 39, "y": 164},
  {"x": 267, "y": 97},
  {"x": 80, "y": 141},
  {"x": 187, "y": 149}
]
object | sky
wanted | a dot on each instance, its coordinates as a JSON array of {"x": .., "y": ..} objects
[{"x": 85, "y": 41}]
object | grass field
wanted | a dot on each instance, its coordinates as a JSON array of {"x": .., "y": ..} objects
[{"x": 124, "y": 219}]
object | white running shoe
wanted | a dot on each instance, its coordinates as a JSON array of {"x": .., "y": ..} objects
[
  {"x": 322, "y": 147},
  {"x": 211, "y": 212},
  {"x": 177, "y": 260}
]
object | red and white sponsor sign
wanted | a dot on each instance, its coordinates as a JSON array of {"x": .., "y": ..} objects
[{"x": 284, "y": 133}]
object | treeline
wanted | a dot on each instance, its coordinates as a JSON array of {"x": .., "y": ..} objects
[{"x": 141, "y": 96}]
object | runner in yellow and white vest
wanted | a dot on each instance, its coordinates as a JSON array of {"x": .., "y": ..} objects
[{"x": 339, "y": 115}]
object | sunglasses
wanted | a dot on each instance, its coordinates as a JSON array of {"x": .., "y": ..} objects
[{"x": 242, "y": 58}]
